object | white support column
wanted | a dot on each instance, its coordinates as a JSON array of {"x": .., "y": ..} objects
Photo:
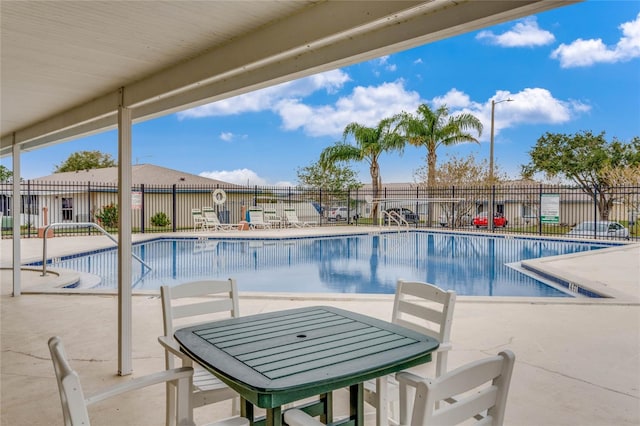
[
  {"x": 15, "y": 214},
  {"x": 125, "y": 324}
]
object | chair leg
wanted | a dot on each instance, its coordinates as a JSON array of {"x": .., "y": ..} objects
[
  {"x": 171, "y": 405},
  {"x": 382, "y": 401}
]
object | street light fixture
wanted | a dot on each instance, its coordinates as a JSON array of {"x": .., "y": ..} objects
[{"x": 491, "y": 172}]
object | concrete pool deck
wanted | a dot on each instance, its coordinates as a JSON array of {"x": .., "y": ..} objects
[{"x": 577, "y": 360}]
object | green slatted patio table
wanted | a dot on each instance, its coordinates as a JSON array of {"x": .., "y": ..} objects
[{"x": 277, "y": 358}]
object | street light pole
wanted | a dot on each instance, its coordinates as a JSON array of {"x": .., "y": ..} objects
[{"x": 491, "y": 172}]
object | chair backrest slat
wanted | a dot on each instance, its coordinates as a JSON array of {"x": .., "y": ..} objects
[{"x": 202, "y": 308}]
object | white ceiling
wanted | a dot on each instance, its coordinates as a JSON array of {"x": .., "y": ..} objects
[{"x": 66, "y": 66}]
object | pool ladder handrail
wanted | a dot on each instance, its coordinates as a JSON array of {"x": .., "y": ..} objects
[
  {"x": 69, "y": 224},
  {"x": 395, "y": 217}
]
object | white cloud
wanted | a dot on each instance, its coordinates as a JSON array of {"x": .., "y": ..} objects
[
  {"x": 582, "y": 53},
  {"x": 365, "y": 105},
  {"x": 266, "y": 99},
  {"x": 452, "y": 99},
  {"x": 383, "y": 61},
  {"x": 226, "y": 136},
  {"x": 529, "y": 106},
  {"x": 525, "y": 33},
  {"x": 242, "y": 177}
]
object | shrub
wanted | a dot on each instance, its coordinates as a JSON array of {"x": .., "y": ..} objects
[
  {"x": 160, "y": 219},
  {"x": 108, "y": 216}
]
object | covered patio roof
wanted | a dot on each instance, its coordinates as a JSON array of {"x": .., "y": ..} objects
[
  {"x": 68, "y": 65},
  {"x": 74, "y": 68}
]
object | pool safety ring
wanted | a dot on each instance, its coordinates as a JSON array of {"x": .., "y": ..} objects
[{"x": 219, "y": 196}]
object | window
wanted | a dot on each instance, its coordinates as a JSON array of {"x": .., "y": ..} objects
[
  {"x": 529, "y": 210},
  {"x": 67, "y": 209}
]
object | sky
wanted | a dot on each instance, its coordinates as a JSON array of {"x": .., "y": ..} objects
[{"x": 568, "y": 70}]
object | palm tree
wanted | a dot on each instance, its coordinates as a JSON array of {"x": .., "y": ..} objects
[
  {"x": 433, "y": 129},
  {"x": 370, "y": 143}
]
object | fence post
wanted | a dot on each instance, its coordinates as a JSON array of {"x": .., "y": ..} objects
[
  {"x": 321, "y": 209},
  {"x": 453, "y": 207},
  {"x": 142, "y": 208},
  {"x": 28, "y": 209},
  {"x": 490, "y": 224},
  {"x": 595, "y": 206},
  {"x": 540, "y": 209},
  {"x": 89, "y": 215},
  {"x": 173, "y": 213}
]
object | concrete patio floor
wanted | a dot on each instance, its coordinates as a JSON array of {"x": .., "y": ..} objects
[{"x": 577, "y": 360}]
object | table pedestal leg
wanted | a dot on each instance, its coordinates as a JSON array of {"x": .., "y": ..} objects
[
  {"x": 246, "y": 410},
  {"x": 327, "y": 400},
  {"x": 356, "y": 406},
  {"x": 274, "y": 416}
]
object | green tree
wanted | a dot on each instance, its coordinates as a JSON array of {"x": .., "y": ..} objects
[
  {"x": 5, "y": 174},
  {"x": 460, "y": 171},
  {"x": 85, "y": 160},
  {"x": 370, "y": 143},
  {"x": 586, "y": 159},
  {"x": 335, "y": 177},
  {"x": 432, "y": 129}
]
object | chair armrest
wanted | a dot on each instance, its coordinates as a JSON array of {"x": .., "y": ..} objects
[
  {"x": 173, "y": 347},
  {"x": 409, "y": 379},
  {"x": 295, "y": 417},
  {"x": 175, "y": 375},
  {"x": 444, "y": 347}
]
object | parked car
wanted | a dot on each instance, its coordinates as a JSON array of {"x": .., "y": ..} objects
[
  {"x": 603, "y": 228},
  {"x": 406, "y": 214},
  {"x": 498, "y": 220},
  {"x": 338, "y": 213}
]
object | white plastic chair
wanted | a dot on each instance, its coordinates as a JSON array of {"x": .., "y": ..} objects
[
  {"x": 74, "y": 402},
  {"x": 291, "y": 217},
  {"x": 211, "y": 220},
  {"x": 271, "y": 216},
  {"x": 256, "y": 219},
  {"x": 476, "y": 390},
  {"x": 426, "y": 309},
  {"x": 198, "y": 219},
  {"x": 180, "y": 309}
]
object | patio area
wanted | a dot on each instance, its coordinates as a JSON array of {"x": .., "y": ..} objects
[{"x": 577, "y": 361}]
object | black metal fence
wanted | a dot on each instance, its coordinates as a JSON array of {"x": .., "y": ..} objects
[{"x": 534, "y": 210}]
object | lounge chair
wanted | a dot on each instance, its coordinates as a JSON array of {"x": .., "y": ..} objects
[
  {"x": 212, "y": 222},
  {"x": 272, "y": 217},
  {"x": 292, "y": 219},
  {"x": 198, "y": 219},
  {"x": 256, "y": 219}
]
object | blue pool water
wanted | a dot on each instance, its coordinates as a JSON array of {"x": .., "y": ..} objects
[{"x": 469, "y": 264}]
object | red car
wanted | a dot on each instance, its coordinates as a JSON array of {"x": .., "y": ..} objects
[{"x": 481, "y": 220}]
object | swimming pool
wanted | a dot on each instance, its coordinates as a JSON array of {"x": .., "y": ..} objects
[{"x": 367, "y": 263}]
